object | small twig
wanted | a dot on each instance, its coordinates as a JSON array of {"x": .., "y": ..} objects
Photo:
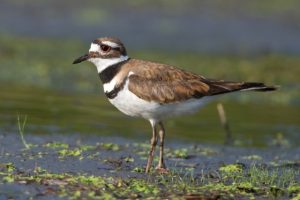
[
  {"x": 225, "y": 124},
  {"x": 21, "y": 131}
]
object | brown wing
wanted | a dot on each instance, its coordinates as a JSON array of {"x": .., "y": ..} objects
[
  {"x": 167, "y": 84},
  {"x": 166, "y": 92}
]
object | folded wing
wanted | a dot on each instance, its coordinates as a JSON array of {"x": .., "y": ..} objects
[{"x": 166, "y": 84}]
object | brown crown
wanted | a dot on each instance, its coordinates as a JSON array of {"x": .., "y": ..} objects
[{"x": 119, "y": 50}]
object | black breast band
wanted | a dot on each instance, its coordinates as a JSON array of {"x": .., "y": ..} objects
[{"x": 112, "y": 94}]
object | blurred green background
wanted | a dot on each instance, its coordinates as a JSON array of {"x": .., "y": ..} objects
[{"x": 233, "y": 40}]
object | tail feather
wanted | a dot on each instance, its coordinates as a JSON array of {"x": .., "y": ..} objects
[
  {"x": 260, "y": 87},
  {"x": 221, "y": 87}
]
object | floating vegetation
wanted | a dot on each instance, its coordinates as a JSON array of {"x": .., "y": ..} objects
[
  {"x": 185, "y": 179},
  {"x": 231, "y": 169},
  {"x": 56, "y": 145},
  {"x": 70, "y": 152},
  {"x": 252, "y": 157},
  {"x": 110, "y": 146}
]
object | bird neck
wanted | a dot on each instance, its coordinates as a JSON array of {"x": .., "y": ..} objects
[{"x": 107, "y": 74}]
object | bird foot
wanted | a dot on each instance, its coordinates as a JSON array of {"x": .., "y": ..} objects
[{"x": 162, "y": 170}]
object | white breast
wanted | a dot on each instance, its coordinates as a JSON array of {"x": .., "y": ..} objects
[{"x": 109, "y": 86}]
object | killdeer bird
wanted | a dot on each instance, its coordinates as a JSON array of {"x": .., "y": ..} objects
[{"x": 154, "y": 91}]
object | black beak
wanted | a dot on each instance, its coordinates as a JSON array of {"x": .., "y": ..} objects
[{"x": 81, "y": 59}]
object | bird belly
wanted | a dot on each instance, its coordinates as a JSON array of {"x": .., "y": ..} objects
[
  {"x": 128, "y": 103},
  {"x": 131, "y": 105}
]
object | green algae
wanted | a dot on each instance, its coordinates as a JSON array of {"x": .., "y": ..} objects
[
  {"x": 252, "y": 157},
  {"x": 70, "y": 152},
  {"x": 294, "y": 188},
  {"x": 56, "y": 145},
  {"x": 232, "y": 168},
  {"x": 177, "y": 153},
  {"x": 87, "y": 147},
  {"x": 110, "y": 146}
]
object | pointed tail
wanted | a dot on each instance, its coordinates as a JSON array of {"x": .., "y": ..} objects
[
  {"x": 221, "y": 87},
  {"x": 261, "y": 87}
]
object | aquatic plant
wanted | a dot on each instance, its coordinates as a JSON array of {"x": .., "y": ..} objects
[{"x": 21, "y": 126}]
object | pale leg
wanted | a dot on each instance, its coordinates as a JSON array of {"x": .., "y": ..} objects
[
  {"x": 153, "y": 144},
  {"x": 161, "y": 165}
]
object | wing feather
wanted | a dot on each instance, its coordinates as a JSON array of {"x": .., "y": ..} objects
[{"x": 167, "y": 84}]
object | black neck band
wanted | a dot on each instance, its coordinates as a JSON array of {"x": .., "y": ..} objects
[{"x": 109, "y": 73}]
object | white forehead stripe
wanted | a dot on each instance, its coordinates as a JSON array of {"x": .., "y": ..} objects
[
  {"x": 94, "y": 47},
  {"x": 111, "y": 44}
]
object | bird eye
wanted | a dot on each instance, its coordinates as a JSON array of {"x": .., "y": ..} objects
[{"x": 105, "y": 48}]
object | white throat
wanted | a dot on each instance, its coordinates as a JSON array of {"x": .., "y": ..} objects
[{"x": 103, "y": 63}]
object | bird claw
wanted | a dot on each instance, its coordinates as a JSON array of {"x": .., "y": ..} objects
[{"x": 162, "y": 170}]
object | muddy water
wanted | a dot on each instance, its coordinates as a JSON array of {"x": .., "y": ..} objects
[{"x": 51, "y": 112}]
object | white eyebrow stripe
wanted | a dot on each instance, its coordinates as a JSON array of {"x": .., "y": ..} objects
[
  {"x": 94, "y": 47},
  {"x": 111, "y": 44}
]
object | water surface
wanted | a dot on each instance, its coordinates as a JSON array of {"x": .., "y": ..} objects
[{"x": 252, "y": 123}]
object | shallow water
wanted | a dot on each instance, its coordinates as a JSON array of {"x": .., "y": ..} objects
[{"x": 252, "y": 124}]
